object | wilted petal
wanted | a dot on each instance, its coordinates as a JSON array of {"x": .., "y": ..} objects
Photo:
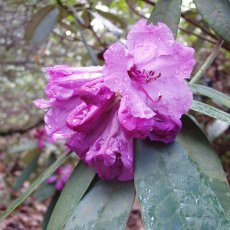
[
  {"x": 112, "y": 153},
  {"x": 165, "y": 129}
]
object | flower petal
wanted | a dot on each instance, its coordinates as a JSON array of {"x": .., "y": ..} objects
[
  {"x": 164, "y": 129},
  {"x": 55, "y": 118},
  {"x": 98, "y": 97},
  {"x": 154, "y": 49},
  {"x": 80, "y": 142},
  {"x": 115, "y": 68},
  {"x": 51, "y": 179},
  {"x": 134, "y": 115},
  {"x": 59, "y": 185},
  {"x": 112, "y": 153},
  {"x": 146, "y": 42},
  {"x": 175, "y": 97},
  {"x": 65, "y": 81}
]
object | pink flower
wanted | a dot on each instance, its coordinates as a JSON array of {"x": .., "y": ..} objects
[
  {"x": 140, "y": 92},
  {"x": 61, "y": 176},
  {"x": 42, "y": 137},
  {"x": 149, "y": 73}
]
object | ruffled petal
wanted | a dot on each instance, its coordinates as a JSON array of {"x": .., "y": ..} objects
[
  {"x": 135, "y": 117},
  {"x": 80, "y": 142},
  {"x": 154, "y": 49},
  {"x": 43, "y": 104},
  {"x": 146, "y": 42},
  {"x": 55, "y": 118},
  {"x": 164, "y": 129},
  {"x": 112, "y": 153},
  {"x": 169, "y": 97},
  {"x": 97, "y": 99},
  {"x": 65, "y": 81}
]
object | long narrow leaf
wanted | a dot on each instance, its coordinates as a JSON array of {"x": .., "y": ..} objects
[
  {"x": 106, "y": 206},
  {"x": 25, "y": 174},
  {"x": 35, "y": 185},
  {"x": 50, "y": 210},
  {"x": 211, "y": 93},
  {"x": 210, "y": 111},
  {"x": 168, "y": 12},
  {"x": 71, "y": 195}
]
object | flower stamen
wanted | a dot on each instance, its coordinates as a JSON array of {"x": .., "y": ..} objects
[{"x": 142, "y": 76}]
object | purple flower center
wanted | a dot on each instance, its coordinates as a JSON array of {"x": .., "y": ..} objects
[{"x": 144, "y": 77}]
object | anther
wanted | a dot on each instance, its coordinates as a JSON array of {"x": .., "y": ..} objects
[
  {"x": 157, "y": 76},
  {"x": 158, "y": 99},
  {"x": 151, "y": 73}
]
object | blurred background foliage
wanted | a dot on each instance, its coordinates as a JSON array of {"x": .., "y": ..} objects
[{"x": 36, "y": 34}]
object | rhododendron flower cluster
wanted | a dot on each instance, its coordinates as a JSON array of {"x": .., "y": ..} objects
[
  {"x": 140, "y": 92},
  {"x": 60, "y": 177}
]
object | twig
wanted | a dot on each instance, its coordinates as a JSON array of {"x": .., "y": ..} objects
[
  {"x": 134, "y": 10},
  {"x": 73, "y": 12},
  {"x": 22, "y": 131},
  {"x": 91, "y": 55},
  {"x": 197, "y": 35},
  {"x": 207, "y": 63}
]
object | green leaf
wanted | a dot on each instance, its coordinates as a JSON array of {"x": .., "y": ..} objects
[
  {"x": 46, "y": 191},
  {"x": 22, "y": 147},
  {"x": 25, "y": 174},
  {"x": 215, "y": 95},
  {"x": 210, "y": 111},
  {"x": 71, "y": 195},
  {"x": 216, "y": 14},
  {"x": 168, "y": 12},
  {"x": 91, "y": 53},
  {"x": 50, "y": 210},
  {"x": 113, "y": 18},
  {"x": 106, "y": 206},
  {"x": 182, "y": 184},
  {"x": 41, "y": 24},
  {"x": 34, "y": 185}
]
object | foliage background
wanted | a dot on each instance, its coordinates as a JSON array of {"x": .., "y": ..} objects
[{"x": 24, "y": 53}]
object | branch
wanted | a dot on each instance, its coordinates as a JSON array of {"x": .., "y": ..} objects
[
  {"x": 21, "y": 131},
  {"x": 207, "y": 63}
]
